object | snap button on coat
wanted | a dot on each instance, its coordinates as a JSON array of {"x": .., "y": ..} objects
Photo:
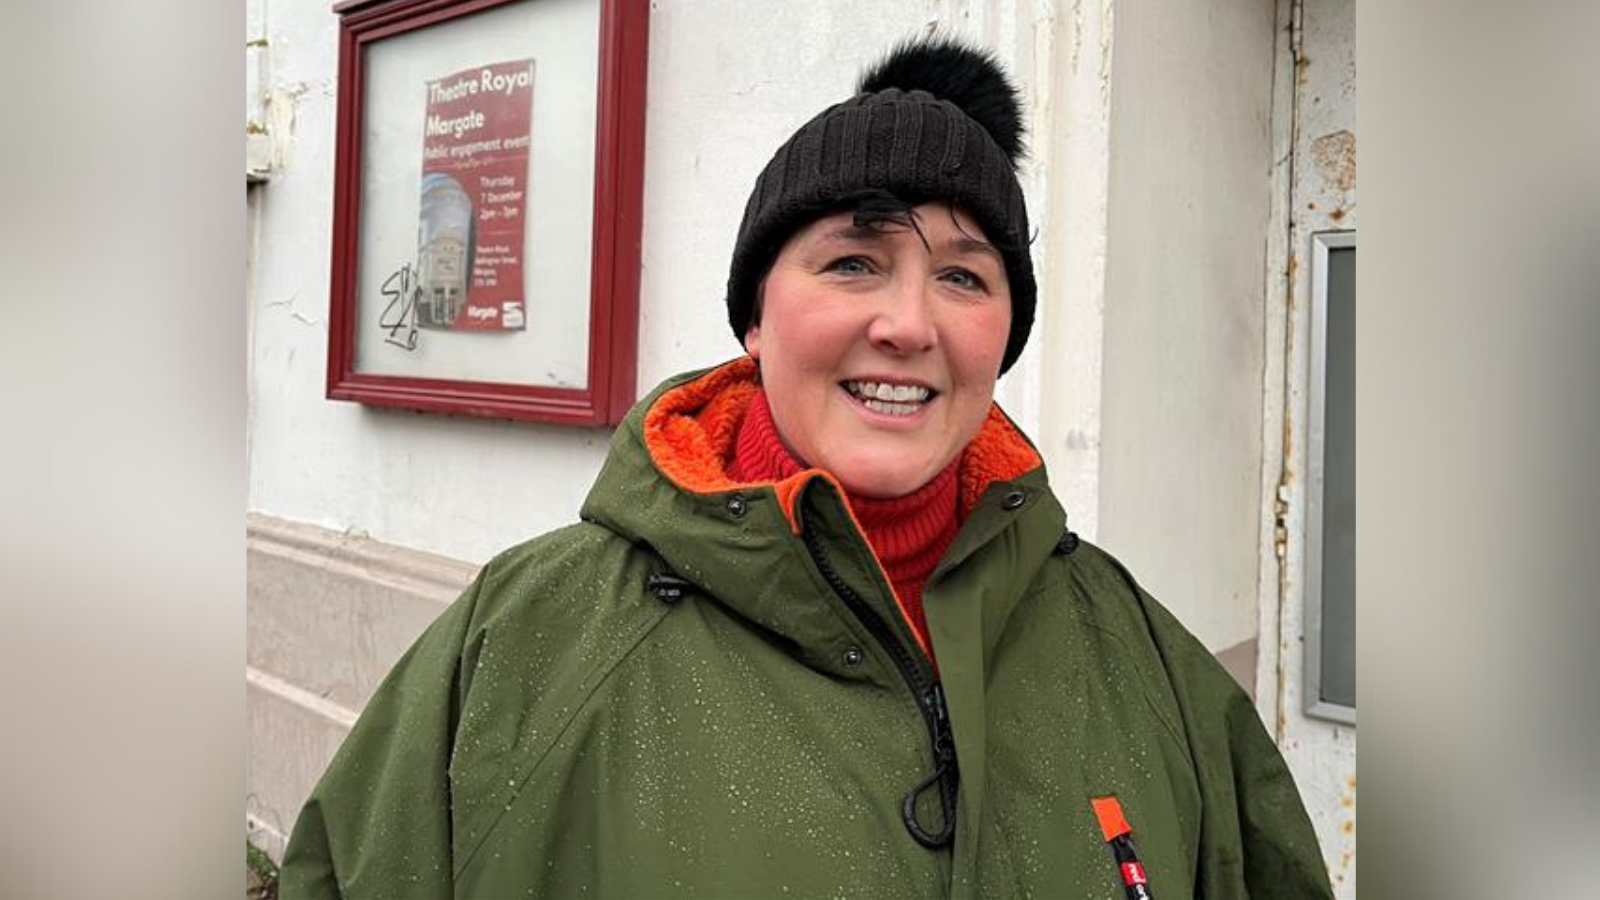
[
  {"x": 737, "y": 506},
  {"x": 1013, "y": 500},
  {"x": 1068, "y": 543}
]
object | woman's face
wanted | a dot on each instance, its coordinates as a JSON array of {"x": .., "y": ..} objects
[{"x": 879, "y": 352}]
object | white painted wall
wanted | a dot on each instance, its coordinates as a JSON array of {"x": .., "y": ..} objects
[
  {"x": 1071, "y": 151},
  {"x": 1180, "y": 450}
]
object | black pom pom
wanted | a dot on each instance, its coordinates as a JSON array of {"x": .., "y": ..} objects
[{"x": 968, "y": 77}]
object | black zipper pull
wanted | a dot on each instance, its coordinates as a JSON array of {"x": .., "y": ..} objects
[
  {"x": 945, "y": 776},
  {"x": 944, "y": 740}
]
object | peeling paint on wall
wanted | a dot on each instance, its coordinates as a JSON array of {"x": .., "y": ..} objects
[
  {"x": 1334, "y": 155},
  {"x": 270, "y": 114}
]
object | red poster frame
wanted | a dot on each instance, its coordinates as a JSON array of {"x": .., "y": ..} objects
[{"x": 614, "y": 258}]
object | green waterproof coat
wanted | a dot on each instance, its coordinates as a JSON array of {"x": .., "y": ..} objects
[{"x": 708, "y": 690}]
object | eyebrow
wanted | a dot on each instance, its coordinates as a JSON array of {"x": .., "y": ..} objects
[
  {"x": 853, "y": 232},
  {"x": 961, "y": 244}
]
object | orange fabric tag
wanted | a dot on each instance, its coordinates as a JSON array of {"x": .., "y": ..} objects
[{"x": 1109, "y": 812}]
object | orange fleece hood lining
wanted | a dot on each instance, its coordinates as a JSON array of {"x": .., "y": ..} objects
[{"x": 691, "y": 429}]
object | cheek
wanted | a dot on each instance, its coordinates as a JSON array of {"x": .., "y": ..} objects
[
  {"x": 983, "y": 344},
  {"x": 808, "y": 339}
]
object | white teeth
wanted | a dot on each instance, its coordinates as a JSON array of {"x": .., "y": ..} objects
[
  {"x": 890, "y": 393},
  {"x": 891, "y": 409}
]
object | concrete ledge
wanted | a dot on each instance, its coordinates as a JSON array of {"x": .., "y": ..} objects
[
  {"x": 331, "y": 613},
  {"x": 328, "y": 615},
  {"x": 289, "y": 739}
]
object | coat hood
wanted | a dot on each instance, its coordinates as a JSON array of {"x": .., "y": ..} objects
[{"x": 666, "y": 485}]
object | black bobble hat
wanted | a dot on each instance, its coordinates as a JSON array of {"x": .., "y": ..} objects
[{"x": 934, "y": 121}]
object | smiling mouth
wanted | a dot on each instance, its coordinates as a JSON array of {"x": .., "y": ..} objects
[{"x": 890, "y": 399}]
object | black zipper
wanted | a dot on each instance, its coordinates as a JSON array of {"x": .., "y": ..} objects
[{"x": 930, "y": 702}]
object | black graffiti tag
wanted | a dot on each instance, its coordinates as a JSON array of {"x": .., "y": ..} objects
[{"x": 399, "y": 317}]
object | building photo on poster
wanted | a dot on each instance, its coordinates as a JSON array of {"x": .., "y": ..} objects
[{"x": 474, "y": 191}]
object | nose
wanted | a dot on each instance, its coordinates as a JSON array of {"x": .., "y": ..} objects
[{"x": 904, "y": 321}]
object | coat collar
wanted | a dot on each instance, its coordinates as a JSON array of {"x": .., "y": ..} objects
[{"x": 666, "y": 485}]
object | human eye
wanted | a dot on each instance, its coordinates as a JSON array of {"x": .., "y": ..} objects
[
  {"x": 849, "y": 265},
  {"x": 966, "y": 279}
]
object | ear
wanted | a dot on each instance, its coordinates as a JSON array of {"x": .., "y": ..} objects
[
  {"x": 752, "y": 341},
  {"x": 752, "y": 332}
]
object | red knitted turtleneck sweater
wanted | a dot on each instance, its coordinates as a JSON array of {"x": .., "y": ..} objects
[{"x": 909, "y": 534}]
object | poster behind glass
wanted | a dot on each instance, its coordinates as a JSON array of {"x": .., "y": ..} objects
[{"x": 477, "y": 198}]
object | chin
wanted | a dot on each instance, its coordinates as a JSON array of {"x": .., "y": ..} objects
[{"x": 882, "y": 482}]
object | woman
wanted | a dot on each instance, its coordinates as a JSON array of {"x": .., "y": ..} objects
[{"x": 822, "y": 630}]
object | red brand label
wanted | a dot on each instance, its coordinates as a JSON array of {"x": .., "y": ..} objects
[{"x": 1133, "y": 873}]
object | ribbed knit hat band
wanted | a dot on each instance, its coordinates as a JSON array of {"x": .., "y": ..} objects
[{"x": 908, "y": 143}]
